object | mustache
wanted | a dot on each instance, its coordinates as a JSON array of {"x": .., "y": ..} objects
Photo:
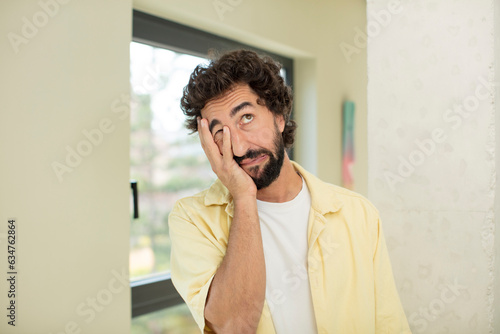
[{"x": 251, "y": 154}]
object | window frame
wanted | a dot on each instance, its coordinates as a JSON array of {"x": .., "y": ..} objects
[{"x": 158, "y": 292}]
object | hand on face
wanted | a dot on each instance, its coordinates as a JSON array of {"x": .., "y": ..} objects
[{"x": 236, "y": 180}]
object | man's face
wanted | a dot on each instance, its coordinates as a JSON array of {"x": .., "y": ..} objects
[{"x": 256, "y": 138}]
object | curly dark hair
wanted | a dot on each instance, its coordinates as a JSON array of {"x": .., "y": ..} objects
[{"x": 261, "y": 73}]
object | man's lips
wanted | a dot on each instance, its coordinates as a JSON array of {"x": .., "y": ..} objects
[{"x": 255, "y": 161}]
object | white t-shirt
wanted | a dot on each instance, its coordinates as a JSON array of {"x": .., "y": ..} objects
[{"x": 284, "y": 236}]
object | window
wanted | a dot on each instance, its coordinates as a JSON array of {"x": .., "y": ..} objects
[{"x": 166, "y": 161}]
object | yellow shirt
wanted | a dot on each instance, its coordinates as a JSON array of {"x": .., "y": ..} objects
[{"x": 350, "y": 274}]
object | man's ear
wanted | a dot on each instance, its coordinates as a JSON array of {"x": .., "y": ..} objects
[{"x": 280, "y": 121}]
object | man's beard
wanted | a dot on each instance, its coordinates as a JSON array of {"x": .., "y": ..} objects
[{"x": 272, "y": 169}]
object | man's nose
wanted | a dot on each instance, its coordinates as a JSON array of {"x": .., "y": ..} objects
[{"x": 239, "y": 143}]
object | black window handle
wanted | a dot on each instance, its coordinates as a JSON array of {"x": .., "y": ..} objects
[{"x": 135, "y": 195}]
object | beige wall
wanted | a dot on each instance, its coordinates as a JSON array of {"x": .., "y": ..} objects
[
  {"x": 73, "y": 232},
  {"x": 69, "y": 74},
  {"x": 310, "y": 32}
]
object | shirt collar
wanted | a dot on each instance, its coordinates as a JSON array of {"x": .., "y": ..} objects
[
  {"x": 323, "y": 196},
  {"x": 217, "y": 194}
]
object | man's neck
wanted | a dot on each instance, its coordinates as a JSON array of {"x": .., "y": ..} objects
[{"x": 285, "y": 187}]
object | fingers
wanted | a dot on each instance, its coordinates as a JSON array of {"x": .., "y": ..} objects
[
  {"x": 227, "y": 151},
  {"x": 205, "y": 136},
  {"x": 208, "y": 144},
  {"x": 201, "y": 132},
  {"x": 236, "y": 180}
]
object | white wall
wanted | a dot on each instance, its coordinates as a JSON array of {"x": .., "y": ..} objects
[
  {"x": 496, "y": 317},
  {"x": 73, "y": 232},
  {"x": 432, "y": 158}
]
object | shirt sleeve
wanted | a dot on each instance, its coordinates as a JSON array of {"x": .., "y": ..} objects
[
  {"x": 389, "y": 314},
  {"x": 194, "y": 259}
]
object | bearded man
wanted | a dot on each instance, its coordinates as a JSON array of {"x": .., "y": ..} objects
[{"x": 270, "y": 248}]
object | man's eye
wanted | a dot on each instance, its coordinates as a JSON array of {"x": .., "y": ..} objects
[
  {"x": 247, "y": 118},
  {"x": 218, "y": 136}
]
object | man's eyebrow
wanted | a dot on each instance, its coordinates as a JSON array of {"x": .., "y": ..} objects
[
  {"x": 234, "y": 111},
  {"x": 240, "y": 106},
  {"x": 213, "y": 123}
]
